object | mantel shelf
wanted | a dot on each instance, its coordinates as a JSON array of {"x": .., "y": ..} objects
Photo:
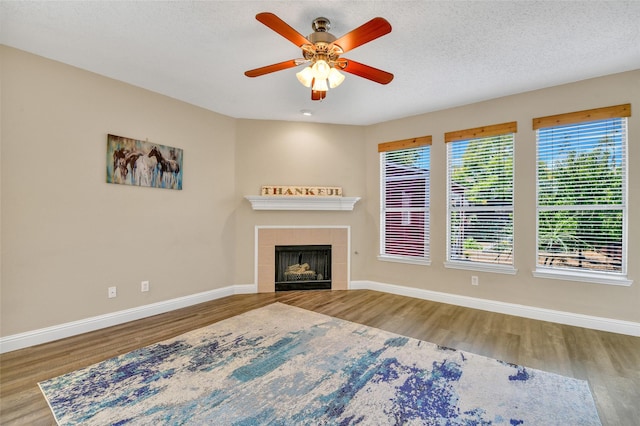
[{"x": 261, "y": 202}]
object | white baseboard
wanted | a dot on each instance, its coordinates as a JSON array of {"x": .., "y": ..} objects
[
  {"x": 49, "y": 334},
  {"x": 561, "y": 317}
]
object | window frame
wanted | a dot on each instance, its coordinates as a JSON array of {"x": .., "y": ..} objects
[
  {"x": 508, "y": 128},
  {"x": 403, "y": 145},
  {"x": 571, "y": 274}
]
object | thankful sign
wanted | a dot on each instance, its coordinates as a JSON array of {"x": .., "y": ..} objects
[{"x": 302, "y": 191}]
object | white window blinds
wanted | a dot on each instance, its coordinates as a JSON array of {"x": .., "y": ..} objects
[
  {"x": 480, "y": 195},
  {"x": 582, "y": 193},
  {"x": 404, "y": 175}
]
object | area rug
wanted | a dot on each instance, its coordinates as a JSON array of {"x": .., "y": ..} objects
[{"x": 282, "y": 365}]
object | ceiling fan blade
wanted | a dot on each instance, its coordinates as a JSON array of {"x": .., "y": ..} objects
[
  {"x": 317, "y": 95},
  {"x": 377, "y": 27},
  {"x": 282, "y": 28},
  {"x": 272, "y": 68},
  {"x": 365, "y": 71}
]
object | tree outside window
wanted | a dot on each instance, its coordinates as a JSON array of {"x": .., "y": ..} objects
[
  {"x": 480, "y": 194},
  {"x": 581, "y": 196}
]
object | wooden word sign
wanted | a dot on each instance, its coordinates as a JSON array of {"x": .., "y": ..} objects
[{"x": 302, "y": 191}]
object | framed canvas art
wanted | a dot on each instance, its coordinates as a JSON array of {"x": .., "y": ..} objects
[{"x": 142, "y": 163}]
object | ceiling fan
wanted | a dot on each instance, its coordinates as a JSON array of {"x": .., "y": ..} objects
[{"x": 322, "y": 50}]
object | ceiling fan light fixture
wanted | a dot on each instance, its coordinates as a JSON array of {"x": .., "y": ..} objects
[
  {"x": 335, "y": 78},
  {"x": 320, "y": 85},
  {"x": 321, "y": 69},
  {"x": 322, "y": 50},
  {"x": 305, "y": 76}
]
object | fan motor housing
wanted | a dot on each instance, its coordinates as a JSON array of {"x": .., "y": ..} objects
[
  {"x": 321, "y": 24},
  {"x": 321, "y": 34},
  {"x": 321, "y": 37}
]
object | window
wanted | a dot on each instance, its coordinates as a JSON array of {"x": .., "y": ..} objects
[
  {"x": 480, "y": 198},
  {"x": 404, "y": 199},
  {"x": 582, "y": 195}
]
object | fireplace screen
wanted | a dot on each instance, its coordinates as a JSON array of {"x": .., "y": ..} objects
[{"x": 306, "y": 267}]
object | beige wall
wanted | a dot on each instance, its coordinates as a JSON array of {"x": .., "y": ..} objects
[
  {"x": 286, "y": 153},
  {"x": 592, "y": 299},
  {"x": 67, "y": 235}
]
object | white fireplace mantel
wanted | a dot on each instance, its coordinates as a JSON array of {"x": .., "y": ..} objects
[{"x": 261, "y": 202}]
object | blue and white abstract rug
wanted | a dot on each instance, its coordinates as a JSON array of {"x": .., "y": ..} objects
[{"x": 282, "y": 365}]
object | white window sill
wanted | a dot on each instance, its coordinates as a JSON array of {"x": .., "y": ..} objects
[
  {"x": 400, "y": 259},
  {"x": 481, "y": 267},
  {"x": 592, "y": 277}
]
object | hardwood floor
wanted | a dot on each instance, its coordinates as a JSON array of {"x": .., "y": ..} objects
[{"x": 610, "y": 362}]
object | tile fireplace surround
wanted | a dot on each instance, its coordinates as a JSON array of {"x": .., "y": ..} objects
[{"x": 268, "y": 237}]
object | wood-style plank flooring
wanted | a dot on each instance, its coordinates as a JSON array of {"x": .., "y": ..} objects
[{"x": 610, "y": 362}]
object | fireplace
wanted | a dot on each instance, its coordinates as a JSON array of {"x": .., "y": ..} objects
[
  {"x": 303, "y": 267},
  {"x": 268, "y": 237}
]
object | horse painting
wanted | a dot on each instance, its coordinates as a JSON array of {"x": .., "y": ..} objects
[
  {"x": 167, "y": 168},
  {"x": 139, "y": 163},
  {"x": 120, "y": 170}
]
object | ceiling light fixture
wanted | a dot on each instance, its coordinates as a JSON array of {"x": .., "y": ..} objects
[
  {"x": 320, "y": 76},
  {"x": 321, "y": 52},
  {"x": 322, "y": 73}
]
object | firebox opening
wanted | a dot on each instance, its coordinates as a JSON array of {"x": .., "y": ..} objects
[{"x": 303, "y": 267}]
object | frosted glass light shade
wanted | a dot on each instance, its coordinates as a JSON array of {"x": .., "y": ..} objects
[
  {"x": 321, "y": 69},
  {"x": 320, "y": 85},
  {"x": 335, "y": 78},
  {"x": 305, "y": 76}
]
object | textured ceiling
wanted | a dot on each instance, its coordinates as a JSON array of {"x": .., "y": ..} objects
[{"x": 442, "y": 53}]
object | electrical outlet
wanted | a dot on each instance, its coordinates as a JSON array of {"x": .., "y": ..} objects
[
  {"x": 113, "y": 292},
  {"x": 144, "y": 286},
  {"x": 474, "y": 280}
]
